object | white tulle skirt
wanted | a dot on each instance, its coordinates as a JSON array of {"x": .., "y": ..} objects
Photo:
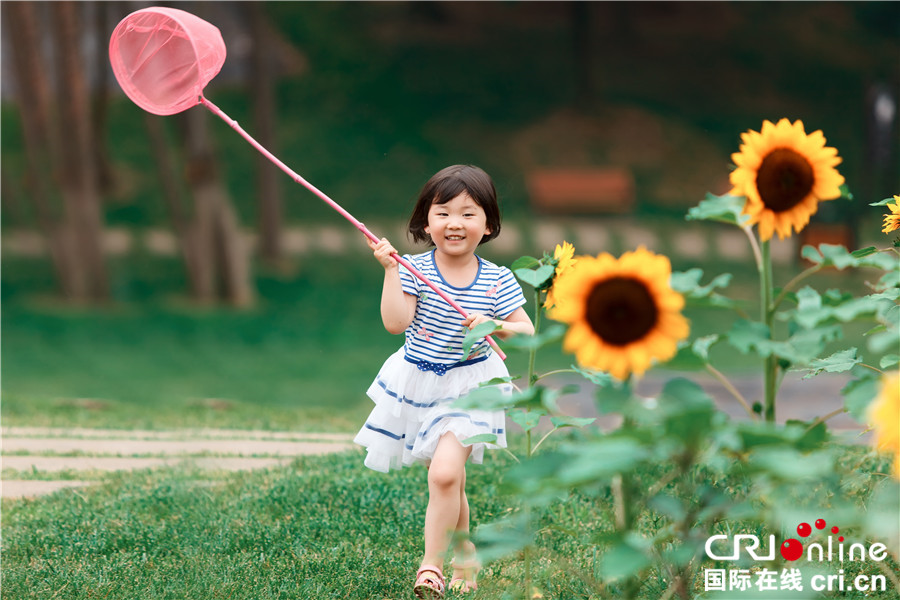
[{"x": 413, "y": 409}]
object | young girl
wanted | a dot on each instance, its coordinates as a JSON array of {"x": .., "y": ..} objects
[{"x": 413, "y": 419}]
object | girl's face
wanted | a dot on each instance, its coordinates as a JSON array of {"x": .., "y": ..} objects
[{"x": 456, "y": 227}]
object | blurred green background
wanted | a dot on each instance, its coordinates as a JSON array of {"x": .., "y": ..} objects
[{"x": 372, "y": 98}]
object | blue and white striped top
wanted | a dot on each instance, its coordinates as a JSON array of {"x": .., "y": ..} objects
[{"x": 436, "y": 334}]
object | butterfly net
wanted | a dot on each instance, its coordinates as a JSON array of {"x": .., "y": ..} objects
[{"x": 164, "y": 57}]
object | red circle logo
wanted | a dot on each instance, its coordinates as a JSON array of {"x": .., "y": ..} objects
[{"x": 791, "y": 549}]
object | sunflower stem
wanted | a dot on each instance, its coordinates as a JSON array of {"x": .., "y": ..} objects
[
  {"x": 767, "y": 314},
  {"x": 532, "y": 353},
  {"x": 733, "y": 390},
  {"x": 532, "y": 379},
  {"x": 556, "y": 372},
  {"x": 754, "y": 245}
]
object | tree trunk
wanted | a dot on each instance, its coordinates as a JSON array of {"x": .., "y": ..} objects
[
  {"x": 33, "y": 97},
  {"x": 214, "y": 242},
  {"x": 101, "y": 99},
  {"x": 41, "y": 133},
  {"x": 82, "y": 229},
  {"x": 267, "y": 175},
  {"x": 170, "y": 179}
]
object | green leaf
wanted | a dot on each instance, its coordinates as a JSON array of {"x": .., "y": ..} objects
[
  {"x": 755, "y": 434},
  {"x": 551, "y": 335},
  {"x": 596, "y": 461},
  {"x": 499, "y": 380},
  {"x": 535, "y": 277},
  {"x": 485, "y": 398},
  {"x": 622, "y": 561},
  {"x": 804, "y": 346},
  {"x": 688, "y": 284},
  {"x": 811, "y": 312},
  {"x": 483, "y": 438},
  {"x": 811, "y": 254},
  {"x": 863, "y": 252},
  {"x": 560, "y": 422},
  {"x": 747, "y": 335},
  {"x": 524, "y": 262},
  {"x": 612, "y": 399},
  {"x": 884, "y": 202},
  {"x": 792, "y": 465},
  {"x": 888, "y": 360},
  {"x": 858, "y": 394},
  {"x": 723, "y": 209},
  {"x": 504, "y": 537},
  {"x": 476, "y": 334},
  {"x": 668, "y": 505},
  {"x": 686, "y": 409},
  {"x": 597, "y": 377},
  {"x": 837, "y": 256},
  {"x": 811, "y": 439},
  {"x": 531, "y": 398},
  {"x": 527, "y": 420},
  {"x": 836, "y": 363},
  {"x": 693, "y": 356}
]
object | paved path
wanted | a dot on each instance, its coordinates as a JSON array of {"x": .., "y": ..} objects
[{"x": 85, "y": 452}]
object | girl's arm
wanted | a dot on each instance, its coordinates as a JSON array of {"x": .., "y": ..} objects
[
  {"x": 397, "y": 307},
  {"x": 517, "y": 323}
]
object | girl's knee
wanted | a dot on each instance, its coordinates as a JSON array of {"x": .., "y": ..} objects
[{"x": 445, "y": 477}]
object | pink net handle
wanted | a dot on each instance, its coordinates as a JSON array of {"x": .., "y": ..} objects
[{"x": 164, "y": 57}]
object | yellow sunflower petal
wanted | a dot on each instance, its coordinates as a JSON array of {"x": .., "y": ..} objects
[
  {"x": 884, "y": 414},
  {"x": 622, "y": 312},
  {"x": 783, "y": 173}
]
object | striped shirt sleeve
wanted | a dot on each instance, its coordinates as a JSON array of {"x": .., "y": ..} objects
[
  {"x": 408, "y": 281},
  {"x": 509, "y": 295}
]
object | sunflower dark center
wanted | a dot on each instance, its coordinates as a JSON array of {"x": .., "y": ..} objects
[
  {"x": 621, "y": 310},
  {"x": 784, "y": 179}
]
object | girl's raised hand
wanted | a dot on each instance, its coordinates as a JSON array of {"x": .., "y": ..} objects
[
  {"x": 476, "y": 319},
  {"x": 382, "y": 251}
]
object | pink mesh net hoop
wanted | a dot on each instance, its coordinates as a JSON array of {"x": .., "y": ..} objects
[{"x": 164, "y": 57}]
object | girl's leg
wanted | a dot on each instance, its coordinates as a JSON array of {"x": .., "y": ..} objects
[
  {"x": 464, "y": 558},
  {"x": 446, "y": 497},
  {"x": 464, "y": 548}
]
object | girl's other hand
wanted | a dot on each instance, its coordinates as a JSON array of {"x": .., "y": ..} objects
[
  {"x": 476, "y": 319},
  {"x": 382, "y": 251}
]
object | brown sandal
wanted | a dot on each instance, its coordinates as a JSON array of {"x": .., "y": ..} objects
[{"x": 429, "y": 587}]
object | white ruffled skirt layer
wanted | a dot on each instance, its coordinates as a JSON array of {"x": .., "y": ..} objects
[{"x": 413, "y": 409}]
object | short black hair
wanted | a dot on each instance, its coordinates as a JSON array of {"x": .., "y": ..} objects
[{"x": 447, "y": 184}]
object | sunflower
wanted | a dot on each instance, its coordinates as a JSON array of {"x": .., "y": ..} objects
[
  {"x": 784, "y": 174},
  {"x": 622, "y": 313},
  {"x": 892, "y": 221},
  {"x": 565, "y": 257},
  {"x": 884, "y": 416}
]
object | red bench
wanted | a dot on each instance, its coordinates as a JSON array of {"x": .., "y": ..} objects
[{"x": 581, "y": 190}]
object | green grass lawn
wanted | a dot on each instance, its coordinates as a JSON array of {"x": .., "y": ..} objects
[{"x": 325, "y": 527}]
